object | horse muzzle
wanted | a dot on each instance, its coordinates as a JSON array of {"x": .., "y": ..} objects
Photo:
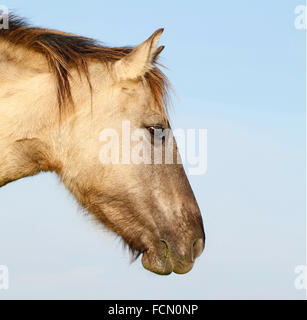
[{"x": 167, "y": 257}]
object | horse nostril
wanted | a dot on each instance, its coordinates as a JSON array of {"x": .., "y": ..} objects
[
  {"x": 165, "y": 248},
  {"x": 197, "y": 248}
]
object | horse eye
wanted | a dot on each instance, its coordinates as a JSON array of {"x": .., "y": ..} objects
[{"x": 156, "y": 131}]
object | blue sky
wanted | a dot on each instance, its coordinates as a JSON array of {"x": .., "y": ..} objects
[{"x": 238, "y": 68}]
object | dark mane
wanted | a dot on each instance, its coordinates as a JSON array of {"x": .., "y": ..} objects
[{"x": 64, "y": 51}]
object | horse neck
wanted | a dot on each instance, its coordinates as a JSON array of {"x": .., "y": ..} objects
[
  {"x": 26, "y": 99},
  {"x": 26, "y": 93}
]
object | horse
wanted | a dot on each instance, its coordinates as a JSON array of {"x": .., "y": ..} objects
[{"x": 58, "y": 92}]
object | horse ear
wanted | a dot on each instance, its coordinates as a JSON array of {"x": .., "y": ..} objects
[
  {"x": 140, "y": 60},
  {"x": 157, "y": 52}
]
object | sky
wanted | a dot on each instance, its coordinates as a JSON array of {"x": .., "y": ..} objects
[{"x": 238, "y": 69}]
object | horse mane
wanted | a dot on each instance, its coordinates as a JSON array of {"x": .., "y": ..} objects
[{"x": 64, "y": 51}]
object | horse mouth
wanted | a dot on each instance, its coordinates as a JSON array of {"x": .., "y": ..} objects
[{"x": 160, "y": 261}]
